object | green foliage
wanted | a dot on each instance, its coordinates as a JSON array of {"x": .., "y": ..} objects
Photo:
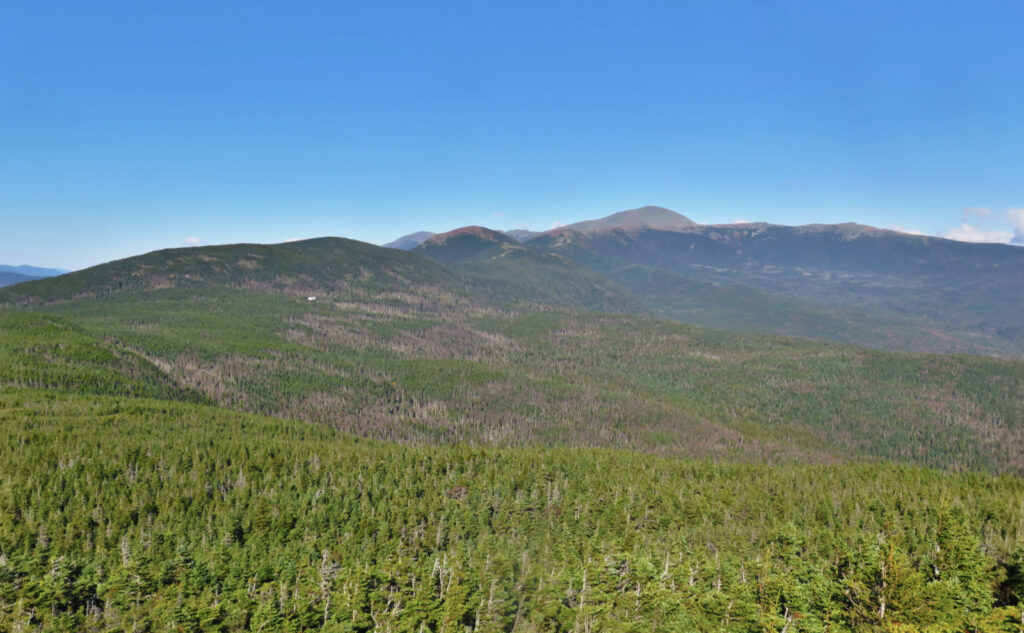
[
  {"x": 41, "y": 351},
  {"x": 427, "y": 365},
  {"x": 135, "y": 514}
]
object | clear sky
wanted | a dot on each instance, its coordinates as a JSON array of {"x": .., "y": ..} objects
[{"x": 136, "y": 125}]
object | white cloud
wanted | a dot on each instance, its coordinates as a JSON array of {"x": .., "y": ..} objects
[
  {"x": 1016, "y": 217},
  {"x": 293, "y": 239},
  {"x": 968, "y": 233},
  {"x": 740, "y": 221},
  {"x": 556, "y": 225},
  {"x": 193, "y": 241}
]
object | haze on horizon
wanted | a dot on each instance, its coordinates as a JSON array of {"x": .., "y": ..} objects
[{"x": 129, "y": 127}]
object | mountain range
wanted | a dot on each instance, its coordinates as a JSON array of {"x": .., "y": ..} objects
[
  {"x": 847, "y": 282},
  {"x": 32, "y": 271},
  {"x": 9, "y": 279},
  {"x": 10, "y": 275}
]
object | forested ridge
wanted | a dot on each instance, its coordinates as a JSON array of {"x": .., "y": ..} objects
[
  {"x": 423, "y": 364},
  {"x": 196, "y": 444}
]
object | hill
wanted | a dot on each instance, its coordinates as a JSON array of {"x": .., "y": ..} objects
[
  {"x": 496, "y": 267},
  {"x": 467, "y": 243},
  {"x": 9, "y": 279},
  {"x": 294, "y": 269},
  {"x": 32, "y": 271},
  {"x": 47, "y": 352},
  {"x": 410, "y": 241}
]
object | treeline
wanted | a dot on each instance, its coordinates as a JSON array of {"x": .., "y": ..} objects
[{"x": 122, "y": 514}]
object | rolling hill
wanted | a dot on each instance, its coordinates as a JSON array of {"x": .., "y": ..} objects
[
  {"x": 292, "y": 268},
  {"x": 410, "y": 241},
  {"x": 9, "y": 279}
]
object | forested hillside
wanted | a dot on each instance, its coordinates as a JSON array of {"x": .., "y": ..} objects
[
  {"x": 845, "y": 282},
  {"x": 420, "y": 366},
  {"x": 497, "y": 351},
  {"x": 124, "y": 514}
]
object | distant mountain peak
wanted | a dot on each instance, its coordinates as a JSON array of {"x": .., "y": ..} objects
[
  {"x": 481, "y": 232},
  {"x": 520, "y": 235},
  {"x": 410, "y": 241},
  {"x": 32, "y": 271},
  {"x": 467, "y": 243},
  {"x": 649, "y": 217},
  {"x": 9, "y": 279}
]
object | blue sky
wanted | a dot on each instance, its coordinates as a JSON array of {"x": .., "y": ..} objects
[{"x": 131, "y": 126}]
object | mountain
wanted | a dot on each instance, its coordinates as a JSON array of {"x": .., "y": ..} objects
[
  {"x": 467, "y": 243},
  {"x": 643, "y": 218},
  {"x": 9, "y": 279},
  {"x": 296, "y": 269},
  {"x": 495, "y": 266},
  {"x": 520, "y": 235},
  {"x": 32, "y": 271},
  {"x": 410, "y": 241},
  {"x": 891, "y": 290},
  {"x": 846, "y": 282}
]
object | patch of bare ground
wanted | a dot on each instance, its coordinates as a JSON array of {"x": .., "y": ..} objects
[
  {"x": 453, "y": 342},
  {"x": 320, "y": 332}
]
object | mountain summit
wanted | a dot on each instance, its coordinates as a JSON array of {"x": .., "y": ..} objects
[
  {"x": 466, "y": 243},
  {"x": 410, "y": 241},
  {"x": 658, "y": 218}
]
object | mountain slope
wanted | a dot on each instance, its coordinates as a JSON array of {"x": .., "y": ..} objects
[
  {"x": 9, "y": 279},
  {"x": 294, "y": 268},
  {"x": 32, "y": 271},
  {"x": 176, "y": 516},
  {"x": 466, "y": 244},
  {"x": 497, "y": 268},
  {"x": 410, "y": 241},
  {"x": 419, "y": 365},
  {"x": 925, "y": 293},
  {"x": 40, "y": 351}
]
